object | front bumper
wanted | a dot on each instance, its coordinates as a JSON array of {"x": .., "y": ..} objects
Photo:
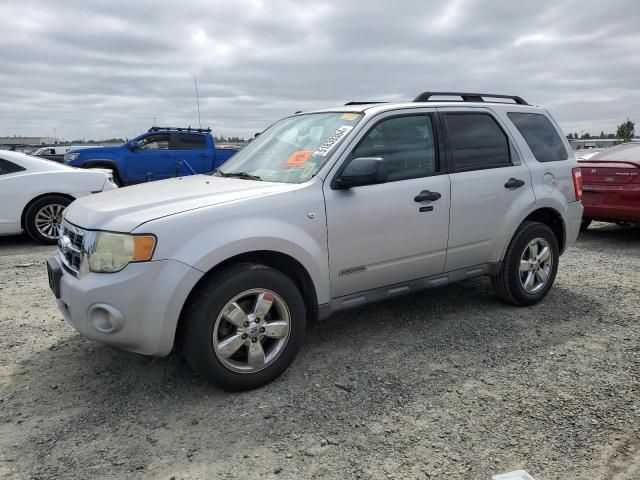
[{"x": 136, "y": 309}]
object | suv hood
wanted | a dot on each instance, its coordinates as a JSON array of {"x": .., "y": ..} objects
[{"x": 124, "y": 209}]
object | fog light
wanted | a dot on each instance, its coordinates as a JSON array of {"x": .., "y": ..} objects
[{"x": 105, "y": 318}]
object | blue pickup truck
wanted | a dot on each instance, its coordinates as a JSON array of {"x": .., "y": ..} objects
[{"x": 161, "y": 152}]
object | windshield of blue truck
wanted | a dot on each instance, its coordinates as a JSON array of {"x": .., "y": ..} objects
[{"x": 292, "y": 150}]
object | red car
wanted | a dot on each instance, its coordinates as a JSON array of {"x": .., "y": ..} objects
[{"x": 611, "y": 185}]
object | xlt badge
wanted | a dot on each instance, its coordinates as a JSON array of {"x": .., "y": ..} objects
[{"x": 352, "y": 270}]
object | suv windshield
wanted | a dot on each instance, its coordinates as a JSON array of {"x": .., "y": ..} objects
[{"x": 293, "y": 149}]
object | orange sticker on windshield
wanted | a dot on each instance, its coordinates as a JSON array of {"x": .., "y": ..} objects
[
  {"x": 298, "y": 158},
  {"x": 350, "y": 116}
]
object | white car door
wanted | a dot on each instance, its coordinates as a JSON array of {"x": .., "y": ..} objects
[
  {"x": 490, "y": 187},
  {"x": 392, "y": 232}
]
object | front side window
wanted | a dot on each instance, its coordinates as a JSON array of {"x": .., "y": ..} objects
[
  {"x": 188, "y": 142},
  {"x": 292, "y": 150},
  {"x": 476, "y": 142},
  {"x": 406, "y": 144},
  {"x": 154, "y": 142},
  {"x": 540, "y": 135},
  {"x": 7, "y": 167}
]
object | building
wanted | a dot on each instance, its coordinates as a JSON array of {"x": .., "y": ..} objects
[{"x": 600, "y": 143}]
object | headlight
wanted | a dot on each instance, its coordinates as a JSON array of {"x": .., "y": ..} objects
[
  {"x": 69, "y": 157},
  {"x": 112, "y": 252}
]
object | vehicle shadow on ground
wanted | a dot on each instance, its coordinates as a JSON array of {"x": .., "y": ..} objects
[
  {"x": 605, "y": 233},
  {"x": 370, "y": 360},
  {"x": 452, "y": 317}
]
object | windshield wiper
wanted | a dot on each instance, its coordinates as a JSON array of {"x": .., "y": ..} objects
[{"x": 244, "y": 175}]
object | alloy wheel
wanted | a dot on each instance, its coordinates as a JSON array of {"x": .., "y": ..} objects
[
  {"x": 536, "y": 264},
  {"x": 48, "y": 220},
  {"x": 251, "y": 331}
]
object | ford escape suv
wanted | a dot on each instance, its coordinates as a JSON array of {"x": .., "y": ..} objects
[{"x": 324, "y": 211}]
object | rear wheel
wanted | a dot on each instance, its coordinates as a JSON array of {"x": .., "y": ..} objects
[
  {"x": 43, "y": 218},
  {"x": 243, "y": 326},
  {"x": 585, "y": 224},
  {"x": 530, "y": 265}
]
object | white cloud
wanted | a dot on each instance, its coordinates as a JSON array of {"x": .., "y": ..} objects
[{"x": 107, "y": 67}]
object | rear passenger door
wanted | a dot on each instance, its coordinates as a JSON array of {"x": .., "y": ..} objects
[
  {"x": 191, "y": 153},
  {"x": 490, "y": 186}
]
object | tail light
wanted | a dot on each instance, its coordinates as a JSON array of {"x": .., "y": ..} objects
[{"x": 577, "y": 183}]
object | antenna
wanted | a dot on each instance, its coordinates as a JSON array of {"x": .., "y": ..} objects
[{"x": 195, "y": 82}]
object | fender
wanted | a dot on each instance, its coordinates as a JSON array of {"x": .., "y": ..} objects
[{"x": 108, "y": 163}]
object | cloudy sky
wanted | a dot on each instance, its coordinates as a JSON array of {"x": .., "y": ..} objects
[{"x": 104, "y": 68}]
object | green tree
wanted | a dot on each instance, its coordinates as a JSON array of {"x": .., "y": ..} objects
[
  {"x": 570, "y": 136},
  {"x": 602, "y": 135},
  {"x": 586, "y": 136},
  {"x": 626, "y": 131}
]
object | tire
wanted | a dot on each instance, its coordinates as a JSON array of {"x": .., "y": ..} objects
[
  {"x": 207, "y": 321},
  {"x": 43, "y": 217},
  {"x": 517, "y": 287},
  {"x": 585, "y": 224}
]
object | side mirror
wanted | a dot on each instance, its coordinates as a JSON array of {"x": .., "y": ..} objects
[
  {"x": 133, "y": 145},
  {"x": 361, "y": 171}
]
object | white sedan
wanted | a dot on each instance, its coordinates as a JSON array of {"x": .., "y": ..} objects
[{"x": 34, "y": 192}]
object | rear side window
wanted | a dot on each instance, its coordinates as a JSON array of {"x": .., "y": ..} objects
[
  {"x": 540, "y": 135},
  {"x": 476, "y": 142},
  {"x": 188, "y": 142},
  {"x": 7, "y": 167}
]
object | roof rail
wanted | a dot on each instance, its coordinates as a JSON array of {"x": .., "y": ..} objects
[
  {"x": 180, "y": 129},
  {"x": 467, "y": 97},
  {"x": 361, "y": 103}
]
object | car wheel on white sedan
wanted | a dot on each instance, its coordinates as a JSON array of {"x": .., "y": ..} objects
[
  {"x": 43, "y": 218},
  {"x": 243, "y": 326}
]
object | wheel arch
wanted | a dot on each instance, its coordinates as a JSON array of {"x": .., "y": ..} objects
[
  {"x": 282, "y": 262},
  {"x": 35, "y": 199},
  {"x": 104, "y": 163},
  {"x": 551, "y": 218}
]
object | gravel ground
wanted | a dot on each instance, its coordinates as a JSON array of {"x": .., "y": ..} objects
[{"x": 449, "y": 384}]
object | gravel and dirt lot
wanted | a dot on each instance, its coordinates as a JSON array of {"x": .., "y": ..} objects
[{"x": 447, "y": 384}]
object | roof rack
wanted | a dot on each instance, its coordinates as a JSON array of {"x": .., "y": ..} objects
[
  {"x": 361, "y": 103},
  {"x": 468, "y": 97},
  {"x": 180, "y": 129}
]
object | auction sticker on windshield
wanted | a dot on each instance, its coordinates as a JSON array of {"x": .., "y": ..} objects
[
  {"x": 299, "y": 158},
  {"x": 332, "y": 141}
]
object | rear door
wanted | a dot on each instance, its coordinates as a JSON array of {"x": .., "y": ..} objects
[
  {"x": 191, "y": 153},
  {"x": 490, "y": 186}
]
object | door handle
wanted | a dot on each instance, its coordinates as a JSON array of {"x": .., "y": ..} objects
[
  {"x": 426, "y": 195},
  {"x": 514, "y": 183}
]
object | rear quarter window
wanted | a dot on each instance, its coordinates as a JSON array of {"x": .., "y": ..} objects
[
  {"x": 7, "y": 167},
  {"x": 541, "y": 136}
]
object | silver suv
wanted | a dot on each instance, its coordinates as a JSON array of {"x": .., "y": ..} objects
[{"x": 324, "y": 211}]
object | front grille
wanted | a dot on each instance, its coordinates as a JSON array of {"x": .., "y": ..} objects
[{"x": 71, "y": 243}]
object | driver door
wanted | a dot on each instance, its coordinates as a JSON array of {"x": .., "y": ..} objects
[
  {"x": 381, "y": 235},
  {"x": 153, "y": 160}
]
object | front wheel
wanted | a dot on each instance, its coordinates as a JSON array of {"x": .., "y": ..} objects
[
  {"x": 529, "y": 266},
  {"x": 43, "y": 218},
  {"x": 243, "y": 327}
]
